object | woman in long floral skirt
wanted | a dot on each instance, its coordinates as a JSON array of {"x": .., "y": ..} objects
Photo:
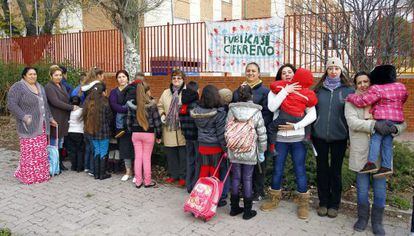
[{"x": 27, "y": 102}]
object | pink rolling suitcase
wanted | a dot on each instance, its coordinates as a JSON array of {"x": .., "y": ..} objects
[{"x": 203, "y": 200}]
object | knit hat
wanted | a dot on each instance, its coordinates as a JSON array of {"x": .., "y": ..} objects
[
  {"x": 226, "y": 94},
  {"x": 334, "y": 61}
]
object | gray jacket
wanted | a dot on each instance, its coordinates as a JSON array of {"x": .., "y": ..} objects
[
  {"x": 330, "y": 124},
  {"x": 243, "y": 111},
  {"x": 23, "y": 102}
]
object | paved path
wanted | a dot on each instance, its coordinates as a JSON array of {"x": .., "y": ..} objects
[{"x": 76, "y": 204}]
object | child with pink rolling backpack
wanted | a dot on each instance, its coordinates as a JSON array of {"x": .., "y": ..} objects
[{"x": 210, "y": 118}]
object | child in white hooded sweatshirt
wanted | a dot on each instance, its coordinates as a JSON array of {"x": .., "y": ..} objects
[{"x": 75, "y": 136}]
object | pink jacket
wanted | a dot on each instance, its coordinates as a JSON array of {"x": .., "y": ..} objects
[{"x": 387, "y": 101}]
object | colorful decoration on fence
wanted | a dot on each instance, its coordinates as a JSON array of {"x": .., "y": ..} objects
[{"x": 233, "y": 44}]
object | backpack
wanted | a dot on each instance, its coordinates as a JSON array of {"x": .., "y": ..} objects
[
  {"x": 240, "y": 135},
  {"x": 204, "y": 197}
]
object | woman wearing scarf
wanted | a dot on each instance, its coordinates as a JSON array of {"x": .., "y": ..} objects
[
  {"x": 172, "y": 137},
  {"x": 330, "y": 135}
]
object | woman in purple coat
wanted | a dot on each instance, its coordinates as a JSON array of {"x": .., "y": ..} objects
[{"x": 116, "y": 101}]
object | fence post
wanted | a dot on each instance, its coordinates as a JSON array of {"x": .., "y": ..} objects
[
  {"x": 294, "y": 39},
  {"x": 168, "y": 49},
  {"x": 378, "y": 51}
]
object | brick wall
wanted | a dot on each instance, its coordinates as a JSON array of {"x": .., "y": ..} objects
[{"x": 159, "y": 83}]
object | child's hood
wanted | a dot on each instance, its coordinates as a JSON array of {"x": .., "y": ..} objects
[
  {"x": 203, "y": 116},
  {"x": 383, "y": 74},
  {"x": 244, "y": 111},
  {"x": 304, "y": 77}
]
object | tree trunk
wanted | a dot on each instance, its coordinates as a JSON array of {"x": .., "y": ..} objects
[{"x": 131, "y": 55}]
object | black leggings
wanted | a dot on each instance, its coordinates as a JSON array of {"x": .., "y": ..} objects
[{"x": 329, "y": 173}]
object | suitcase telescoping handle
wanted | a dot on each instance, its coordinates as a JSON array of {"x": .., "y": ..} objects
[
  {"x": 218, "y": 167},
  {"x": 57, "y": 136}
]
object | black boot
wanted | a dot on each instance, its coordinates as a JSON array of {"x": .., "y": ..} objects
[
  {"x": 61, "y": 166},
  {"x": 235, "y": 208},
  {"x": 80, "y": 162},
  {"x": 96, "y": 166},
  {"x": 363, "y": 217},
  {"x": 102, "y": 170},
  {"x": 73, "y": 159},
  {"x": 248, "y": 212},
  {"x": 377, "y": 214}
]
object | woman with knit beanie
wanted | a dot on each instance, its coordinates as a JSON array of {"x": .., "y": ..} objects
[{"x": 330, "y": 135}]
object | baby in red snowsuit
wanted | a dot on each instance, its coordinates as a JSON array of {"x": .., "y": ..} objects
[{"x": 293, "y": 107}]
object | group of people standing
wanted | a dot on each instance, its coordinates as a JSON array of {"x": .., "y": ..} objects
[{"x": 195, "y": 131}]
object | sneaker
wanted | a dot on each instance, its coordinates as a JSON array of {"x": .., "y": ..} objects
[
  {"x": 332, "y": 213},
  {"x": 322, "y": 211},
  {"x": 125, "y": 178},
  {"x": 181, "y": 183},
  {"x": 383, "y": 172},
  {"x": 169, "y": 180},
  {"x": 119, "y": 133},
  {"x": 134, "y": 180},
  {"x": 369, "y": 168},
  {"x": 86, "y": 170}
]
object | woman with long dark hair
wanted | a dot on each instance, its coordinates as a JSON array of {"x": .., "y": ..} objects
[
  {"x": 97, "y": 117},
  {"x": 330, "y": 135},
  {"x": 116, "y": 101}
]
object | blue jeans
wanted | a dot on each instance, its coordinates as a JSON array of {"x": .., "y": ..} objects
[
  {"x": 241, "y": 173},
  {"x": 119, "y": 120},
  {"x": 381, "y": 144},
  {"x": 100, "y": 147},
  {"x": 298, "y": 153},
  {"x": 379, "y": 186}
]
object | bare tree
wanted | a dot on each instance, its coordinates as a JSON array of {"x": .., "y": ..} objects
[
  {"x": 127, "y": 16},
  {"x": 362, "y": 32},
  {"x": 48, "y": 12}
]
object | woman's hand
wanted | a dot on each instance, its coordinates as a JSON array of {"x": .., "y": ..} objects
[
  {"x": 53, "y": 123},
  {"x": 27, "y": 119},
  {"x": 288, "y": 126},
  {"x": 158, "y": 140},
  {"x": 290, "y": 88}
]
